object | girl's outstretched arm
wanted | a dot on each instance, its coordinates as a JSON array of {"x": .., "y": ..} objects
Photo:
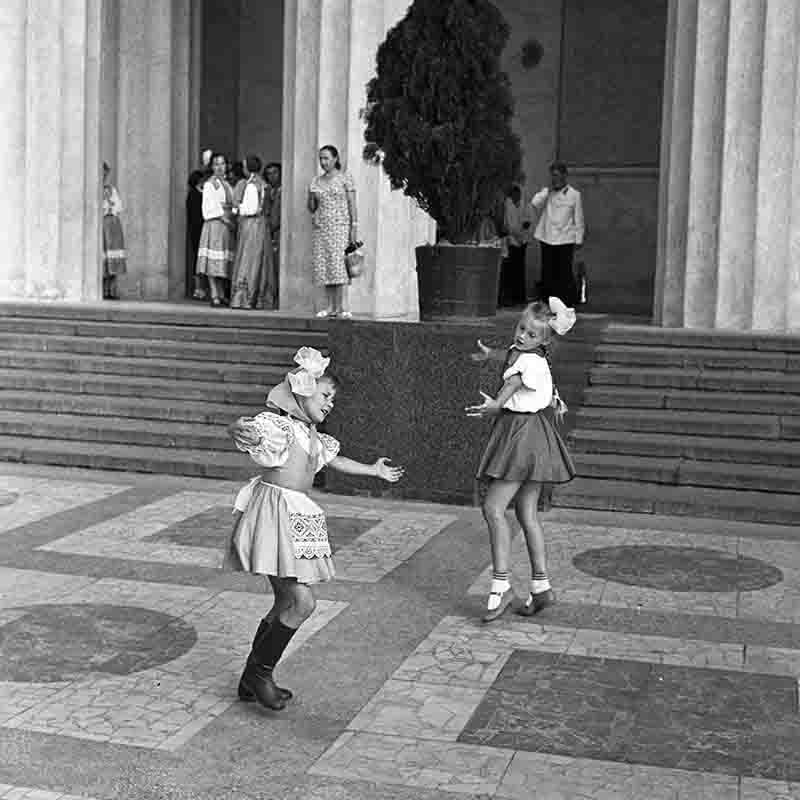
[
  {"x": 495, "y": 405},
  {"x": 380, "y": 469},
  {"x": 485, "y": 353}
]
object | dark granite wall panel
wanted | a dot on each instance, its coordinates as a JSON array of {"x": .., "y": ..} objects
[{"x": 405, "y": 386}]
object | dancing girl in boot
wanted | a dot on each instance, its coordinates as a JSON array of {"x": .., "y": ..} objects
[{"x": 279, "y": 531}]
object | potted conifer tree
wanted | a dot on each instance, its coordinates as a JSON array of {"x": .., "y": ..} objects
[{"x": 438, "y": 120}]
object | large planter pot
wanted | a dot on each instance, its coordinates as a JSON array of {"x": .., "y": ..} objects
[{"x": 457, "y": 281}]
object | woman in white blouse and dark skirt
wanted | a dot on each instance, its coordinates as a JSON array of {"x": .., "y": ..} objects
[{"x": 215, "y": 255}]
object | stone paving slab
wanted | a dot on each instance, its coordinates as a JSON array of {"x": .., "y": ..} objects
[
  {"x": 770, "y": 562},
  {"x": 159, "y": 704},
  {"x": 121, "y": 646}
]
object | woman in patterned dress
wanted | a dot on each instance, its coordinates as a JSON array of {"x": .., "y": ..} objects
[
  {"x": 332, "y": 202},
  {"x": 215, "y": 254}
]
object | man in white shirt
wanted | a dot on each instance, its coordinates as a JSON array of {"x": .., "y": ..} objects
[{"x": 559, "y": 231}]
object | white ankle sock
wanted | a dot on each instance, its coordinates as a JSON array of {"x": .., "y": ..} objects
[
  {"x": 539, "y": 585},
  {"x": 498, "y": 585}
]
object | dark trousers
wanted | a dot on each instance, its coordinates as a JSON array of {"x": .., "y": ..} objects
[
  {"x": 557, "y": 276},
  {"x": 512, "y": 290}
]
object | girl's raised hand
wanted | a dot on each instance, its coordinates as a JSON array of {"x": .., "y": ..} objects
[
  {"x": 483, "y": 352},
  {"x": 390, "y": 474},
  {"x": 488, "y": 407}
]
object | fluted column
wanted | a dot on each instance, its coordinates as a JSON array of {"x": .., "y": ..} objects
[
  {"x": 780, "y": 116},
  {"x": 329, "y": 48},
  {"x": 12, "y": 145},
  {"x": 733, "y": 71},
  {"x": 738, "y": 201}
]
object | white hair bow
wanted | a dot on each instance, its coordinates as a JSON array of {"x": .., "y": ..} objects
[
  {"x": 207, "y": 157},
  {"x": 303, "y": 381},
  {"x": 564, "y": 316}
]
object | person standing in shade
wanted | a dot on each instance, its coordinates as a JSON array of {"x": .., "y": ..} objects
[
  {"x": 332, "y": 203},
  {"x": 560, "y": 232},
  {"x": 115, "y": 260},
  {"x": 194, "y": 228},
  {"x": 513, "y": 291},
  {"x": 268, "y": 291},
  {"x": 250, "y": 240},
  {"x": 215, "y": 253}
]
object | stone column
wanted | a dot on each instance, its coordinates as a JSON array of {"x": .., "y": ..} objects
[
  {"x": 777, "y": 164},
  {"x": 733, "y": 73},
  {"x": 675, "y": 162},
  {"x": 12, "y": 145},
  {"x": 330, "y": 48}
]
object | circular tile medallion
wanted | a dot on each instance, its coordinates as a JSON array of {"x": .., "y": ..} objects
[
  {"x": 678, "y": 569},
  {"x": 47, "y": 643}
]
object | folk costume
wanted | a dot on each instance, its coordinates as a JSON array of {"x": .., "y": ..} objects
[{"x": 282, "y": 531}]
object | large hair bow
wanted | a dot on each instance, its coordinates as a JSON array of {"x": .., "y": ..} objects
[
  {"x": 312, "y": 366},
  {"x": 564, "y": 317}
]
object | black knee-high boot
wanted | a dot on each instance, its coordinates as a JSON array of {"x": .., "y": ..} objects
[
  {"x": 257, "y": 676},
  {"x": 245, "y": 695}
]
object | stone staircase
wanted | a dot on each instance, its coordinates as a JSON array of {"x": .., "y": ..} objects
[
  {"x": 135, "y": 386},
  {"x": 689, "y": 422}
]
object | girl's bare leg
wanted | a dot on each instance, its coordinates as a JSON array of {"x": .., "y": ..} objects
[
  {"x": 541, "y": 594},
  {"x": 526, "y": 507},
  {"x": 498, "y": 497}
]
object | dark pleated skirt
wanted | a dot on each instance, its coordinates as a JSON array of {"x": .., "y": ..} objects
[{"x": 526, "y": 447}]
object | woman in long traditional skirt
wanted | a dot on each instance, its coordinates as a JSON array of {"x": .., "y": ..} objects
[
  {"x": 215, "y": 255},
  {"x": 115, "y": 260},
  {"x": 251, "y": 238}
]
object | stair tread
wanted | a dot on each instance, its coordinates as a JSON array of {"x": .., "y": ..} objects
[
  {"x": 121, "y": 361},
  {"x": 655, "y": 440},
  {"x": 98, "y": 422},
  {"x": 670, "y": 413},
  {"x": 228, "y": 457},
  {"x": 729, "y": 467},
  {"x": 54, "y": 398},
  {"x": 52, "y": 377},
  {"x": 657, "y": 491}
]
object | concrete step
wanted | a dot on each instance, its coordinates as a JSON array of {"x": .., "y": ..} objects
[
  {"x": 777, "y": 453},
  {"x": 248, "y": 394},
  {"x": 224, "y": 371},
  {"x": 688, "y": 400},
  {"x": 148, "y": 408},
  {"x": 677, "y": 378},
  {"x": 678, "y": 472},
  {"x": 653, "y": 336},
  {"x": 116, "y": 347},
  {"x": 111, "y": 430},
  {"x": 612, "y": 495},
  {"x": 164, "y": 332},
  {"x": 130, "y": 458},
  {"x": 696, "y": 357},
  {"x": 168, "y": 313},
  {"x": 698, "y": 423}
]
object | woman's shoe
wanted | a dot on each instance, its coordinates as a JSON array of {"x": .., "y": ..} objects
[
  {"x": 346, "y": 314},
  {"x": 216, "y": 302},
  {"x": 325, "y": 313},
  {"x": 506, "y": 598}
]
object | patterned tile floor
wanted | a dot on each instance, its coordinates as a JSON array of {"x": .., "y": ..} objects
[{"x": 670, "y": 667}]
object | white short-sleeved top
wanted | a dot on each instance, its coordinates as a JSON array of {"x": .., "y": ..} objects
[
  {"x": 536, "y": 391},
  {"x": 279, "y": 434}
]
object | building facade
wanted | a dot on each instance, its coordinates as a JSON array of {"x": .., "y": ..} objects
[{"x": 679, "y": 119}]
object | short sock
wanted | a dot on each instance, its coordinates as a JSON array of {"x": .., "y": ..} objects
[
  {"x": 500, "y": 584},
  {"x": 539, "y": 583}
]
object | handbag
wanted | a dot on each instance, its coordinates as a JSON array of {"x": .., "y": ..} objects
[{"x": 354, "y": 259}]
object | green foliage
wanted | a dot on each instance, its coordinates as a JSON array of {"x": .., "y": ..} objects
[{"x": 439, "y": 112}]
